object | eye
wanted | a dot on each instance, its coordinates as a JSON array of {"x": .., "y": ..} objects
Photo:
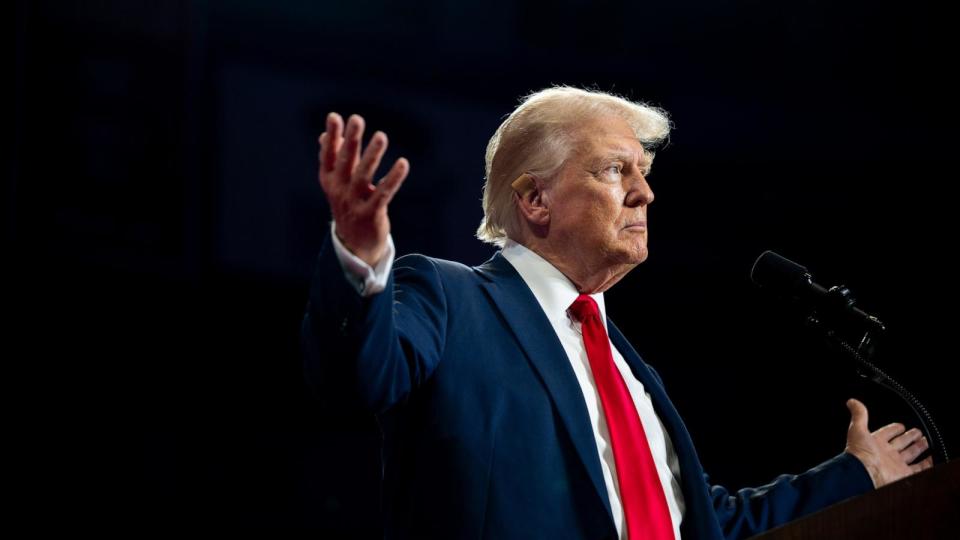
[{"x": 616, "y": 168}]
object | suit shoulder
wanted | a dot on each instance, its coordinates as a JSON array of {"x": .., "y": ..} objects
[
  {"x": 447, "y": 269},
  {"x": 457, "y": 280}
]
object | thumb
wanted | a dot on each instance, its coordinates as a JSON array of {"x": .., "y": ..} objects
[{"x": 858, "y": 415}]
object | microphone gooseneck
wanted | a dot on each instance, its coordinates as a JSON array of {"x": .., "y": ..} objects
[{"x": 829, "y": 310}]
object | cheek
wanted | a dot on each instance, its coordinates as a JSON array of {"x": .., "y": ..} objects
[
  {"x": 599, "y": 210},
  {"x": 592, "y": 213},
  {"x": 611, "y": 207}
]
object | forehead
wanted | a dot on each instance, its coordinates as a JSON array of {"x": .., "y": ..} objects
[{"x": 608, "y": 137}]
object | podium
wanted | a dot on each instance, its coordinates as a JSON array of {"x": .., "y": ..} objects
[{"x": 925, "y": 505}]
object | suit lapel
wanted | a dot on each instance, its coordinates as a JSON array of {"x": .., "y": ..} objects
[
  {"x": 539, "y": 342},
  {"x": 641, "y": 372}
]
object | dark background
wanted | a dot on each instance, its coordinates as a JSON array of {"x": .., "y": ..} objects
[{"x": 162, "y": 216}]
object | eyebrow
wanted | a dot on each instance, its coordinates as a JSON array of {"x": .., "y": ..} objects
[{"x": 623, "y": 154}]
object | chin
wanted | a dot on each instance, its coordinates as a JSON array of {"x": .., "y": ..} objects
[
  {"x": 633, "y": 255},
  {"x": 640, "y": 254},
  {"x": 631, "y": 249}
]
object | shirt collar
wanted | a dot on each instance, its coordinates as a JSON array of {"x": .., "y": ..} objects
[{"x": 553, "y": 290}]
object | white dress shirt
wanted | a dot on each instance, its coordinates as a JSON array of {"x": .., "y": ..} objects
[{"x": 556, "y": 293}]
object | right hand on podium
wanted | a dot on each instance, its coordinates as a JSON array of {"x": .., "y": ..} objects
[
  {"x": 358, "y": 206},
  {"x": 889, "y": 453}
]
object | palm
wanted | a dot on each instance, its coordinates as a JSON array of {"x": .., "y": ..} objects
[
  {"x": 358, "y": 206},
  {"x": 888, "y": 453}
]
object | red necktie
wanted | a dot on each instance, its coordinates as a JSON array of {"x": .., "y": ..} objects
[{"x": 642, "y": 496}]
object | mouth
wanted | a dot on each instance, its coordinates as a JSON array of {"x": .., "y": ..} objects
[{"x": 636, "y": 226}]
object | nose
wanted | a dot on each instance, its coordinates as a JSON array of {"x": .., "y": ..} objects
[{"x": 638, "y": 191}]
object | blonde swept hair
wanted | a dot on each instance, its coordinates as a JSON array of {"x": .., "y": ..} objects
[{"x": 538, "y": 137}]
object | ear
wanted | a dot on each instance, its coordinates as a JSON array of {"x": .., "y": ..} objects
[{"x": 531, "y": 200}]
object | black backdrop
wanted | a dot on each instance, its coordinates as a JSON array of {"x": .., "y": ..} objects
[{"x": 163, "y": 215}]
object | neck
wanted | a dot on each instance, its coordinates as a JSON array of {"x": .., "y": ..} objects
[{"x": 589, "y": 276}]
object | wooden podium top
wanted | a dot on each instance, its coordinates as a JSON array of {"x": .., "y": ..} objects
[{"x": 925, "y": 505}]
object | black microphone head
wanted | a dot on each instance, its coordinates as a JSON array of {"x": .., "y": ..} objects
[
  {"x": 772, "y": 271},
  {"x": 786, "y": 279}
]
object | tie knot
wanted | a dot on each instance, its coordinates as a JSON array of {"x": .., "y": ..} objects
[{"x": 584, "y": 307}]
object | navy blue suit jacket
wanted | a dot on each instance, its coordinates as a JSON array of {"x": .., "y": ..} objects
[{"x": 486, "y": 433}]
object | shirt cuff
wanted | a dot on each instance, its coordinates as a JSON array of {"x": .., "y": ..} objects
[{"x": 367, "y": 280}]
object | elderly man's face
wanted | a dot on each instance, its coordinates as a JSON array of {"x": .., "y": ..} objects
[{"x": 598, "y": 203}]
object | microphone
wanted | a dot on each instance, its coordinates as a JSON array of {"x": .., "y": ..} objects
[{"x": 785, "y": 278}]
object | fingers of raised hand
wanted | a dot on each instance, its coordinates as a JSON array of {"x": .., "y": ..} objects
[
  {"x": 350, "y": 150},
  {"x": 363, "y": 175},
  {"x": 330, "y": 142},
  {"x": 346, "y": 175},
  {"x": 388, "y": 187}
]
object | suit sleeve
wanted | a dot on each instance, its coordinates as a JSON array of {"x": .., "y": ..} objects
[
  {"x": 374, "y": 351},
  {"x": 751, "y": 511}
]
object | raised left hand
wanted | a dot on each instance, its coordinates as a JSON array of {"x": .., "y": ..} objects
[{"x": 889, "y": 452}]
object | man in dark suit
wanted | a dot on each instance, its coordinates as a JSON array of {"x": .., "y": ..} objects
[{"x": 511, "y": 406}]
